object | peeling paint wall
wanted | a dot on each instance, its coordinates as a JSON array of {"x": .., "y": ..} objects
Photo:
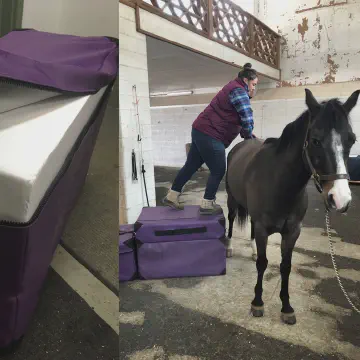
[{"x": 321, "y": 39}]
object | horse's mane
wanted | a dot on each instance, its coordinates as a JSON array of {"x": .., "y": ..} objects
[
  {"x": 289, "y": 134},
  {"x": 270, "y": 140},
  {"x": 297, "y": 128}
]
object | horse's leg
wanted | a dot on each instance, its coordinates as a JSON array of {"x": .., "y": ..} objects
[
  {"x": 253, "y": 242},
  {"x": 287, "y": 246},
  {"x": 232, "y": 208},
  {"x": 261, "y": 237}
]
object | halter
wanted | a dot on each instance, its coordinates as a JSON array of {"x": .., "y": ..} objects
[{"x": 318, "y": 178}]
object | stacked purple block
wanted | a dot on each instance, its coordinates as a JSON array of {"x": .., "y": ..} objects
[
  {"x": 127, "y": 253},
  {"x": 171, "y": 243}
]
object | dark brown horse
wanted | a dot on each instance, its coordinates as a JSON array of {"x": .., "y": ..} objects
[{"x": 267, "y": 182}]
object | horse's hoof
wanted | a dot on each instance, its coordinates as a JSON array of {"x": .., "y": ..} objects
[
  {"x": 254, "y": 257},
  {"x": 229, "y": 253},
  {"x": 289, "y": 319},
  {"x": 257, "y": 311}
]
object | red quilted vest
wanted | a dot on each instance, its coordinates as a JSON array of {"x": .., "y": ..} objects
[{"x": 220, "y": 119}]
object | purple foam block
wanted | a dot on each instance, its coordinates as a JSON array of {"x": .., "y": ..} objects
[
  {"x": 173, "y": 243},
  {"x": 127, "y": 260}
]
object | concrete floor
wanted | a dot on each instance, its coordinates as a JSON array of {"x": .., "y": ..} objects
[
  {"x": 208, "y": 318},
  {"x": 91, "y": 233},
  {"x": 76, "y": 317}
]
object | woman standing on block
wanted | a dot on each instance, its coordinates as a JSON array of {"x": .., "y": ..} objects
[{"x": 228, "y": 115}]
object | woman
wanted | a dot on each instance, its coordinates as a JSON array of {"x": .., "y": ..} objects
[{"x": 228, "y": 115}]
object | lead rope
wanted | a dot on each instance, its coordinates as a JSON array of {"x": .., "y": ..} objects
[
  {"x": 332, "y": 253},
  {"x": 139, "y": 139}
]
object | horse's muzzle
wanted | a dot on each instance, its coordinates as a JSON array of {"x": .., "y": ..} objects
[{"x": 330, "y": 204}]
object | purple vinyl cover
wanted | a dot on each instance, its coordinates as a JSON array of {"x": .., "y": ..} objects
[
  {"x": 127, "y": 255},
  {"x": 173, "y": 243},
  {"x": 126, "y": 228},
  {"x": 164, "y": 220},
  {"x": 60, "y": 62}
]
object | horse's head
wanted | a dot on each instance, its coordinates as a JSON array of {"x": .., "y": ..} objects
[{"x": 327, "y": 147}]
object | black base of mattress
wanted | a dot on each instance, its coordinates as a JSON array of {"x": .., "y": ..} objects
[{"x": 11, "y": 348}]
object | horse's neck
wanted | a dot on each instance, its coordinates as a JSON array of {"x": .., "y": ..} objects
[
  {"x": 294, "y": 173},
  {"x": 292, "y": 169}
]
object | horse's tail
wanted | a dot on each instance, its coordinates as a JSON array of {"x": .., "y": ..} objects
[
  {"x": 242, "y": 216},
  {"x": 239, "y": 211}
]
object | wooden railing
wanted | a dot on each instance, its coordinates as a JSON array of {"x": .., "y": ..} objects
[{"x": 221, "y": 21}]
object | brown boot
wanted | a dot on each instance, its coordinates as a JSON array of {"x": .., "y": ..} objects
[
  {"x": 172, "y": 200},
  {"x": 209, "y": 207}
]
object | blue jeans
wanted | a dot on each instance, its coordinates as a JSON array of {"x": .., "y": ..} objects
[{"x": 204, "y": 149}]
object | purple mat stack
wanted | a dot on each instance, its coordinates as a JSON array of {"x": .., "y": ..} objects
[
  {"x": 172, "y": 243},
  {"x": 127, "y": 256}
]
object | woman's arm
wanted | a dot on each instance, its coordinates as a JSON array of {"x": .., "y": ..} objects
[{"x": 241, "y": 102}]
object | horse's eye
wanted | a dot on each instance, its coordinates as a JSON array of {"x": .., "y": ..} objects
[
  {"x": 316, "y": 142},
  {"x": 352, "y": 139}
]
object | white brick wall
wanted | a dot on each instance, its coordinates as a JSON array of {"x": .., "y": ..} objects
[
  {"x": 171, "y": 130},
  {"x": 133, "y": 71},
  {"x": 171, "y": 126}
]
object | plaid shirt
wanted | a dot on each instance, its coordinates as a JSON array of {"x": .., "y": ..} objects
[{"x": 239, "y": 98}]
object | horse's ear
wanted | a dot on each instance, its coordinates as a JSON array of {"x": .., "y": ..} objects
[
  {"x": 351, "y": 101},
  {"x": 311, "y": 102}
]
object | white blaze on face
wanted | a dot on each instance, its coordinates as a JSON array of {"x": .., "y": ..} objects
[{"x": 340, "y": 191}]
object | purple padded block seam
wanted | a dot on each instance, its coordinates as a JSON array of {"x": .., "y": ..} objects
[
  {"x": 139, "y": 242},
  {"x": 140, "y": 277},
  {"x": 149, "y": 214},
  {"x": 130, "y": 261},
  {"x": 127, "y": 252},
  {"x": 127, "y": 228},
  {"x": 126, "y": 244}
]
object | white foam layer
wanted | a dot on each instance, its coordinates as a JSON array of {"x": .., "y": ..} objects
[
  {"x": 13, "y": 97},
  {"x": 34, "y": 143}
]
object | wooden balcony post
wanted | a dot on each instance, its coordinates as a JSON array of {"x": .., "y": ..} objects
[
  {"x": 278, "y": 52},
  {"x": 210, "y": 19},
  {"x": 251, "y": 36}
]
